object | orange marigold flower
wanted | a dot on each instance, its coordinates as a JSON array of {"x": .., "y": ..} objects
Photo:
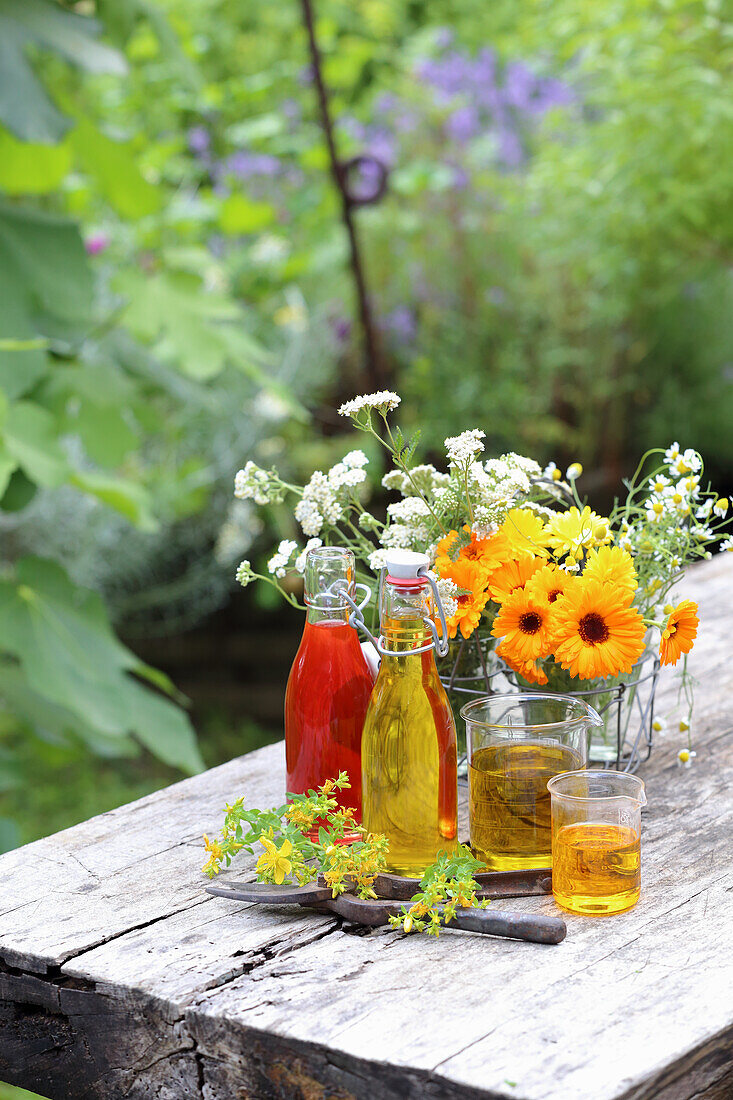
[
  {"x": 443, "y": 551},
  {"x": 490, "y": 552},
  {"x": 613, "y": 567},
  {"x": 512, "y": 575},
  {"x": 549, "y": 583},
  {"x": 525, "y": 625},
  {"x": 472, "y": 577},
  {"x": 679, "y": 633},
  {"x": 596, "y": 633},
  {"x": 529, "y": 670},
  {"x": 524, "y": 532}
]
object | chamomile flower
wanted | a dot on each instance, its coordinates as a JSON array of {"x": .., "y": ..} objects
[
  {"x": 672, "y": 453},
  {"x": 685, "y": 758},
  {"x": 659, "y": 726},
  {"x": 686, "y": 463},
  {"x": 552, "y": 472},
  {"x": 655, "y": 508},
  {"x": 727, "y": 544},
  {"x": 659, "y": 483},
  {"x": 721, "y": 506},
  {"x": 574, "y": 471}
]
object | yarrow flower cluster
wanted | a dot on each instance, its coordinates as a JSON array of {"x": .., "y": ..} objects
[
  {"x": 383, "y": 401},
  {"x": 279, "y": 562},
  {"x": 261, "y": 486},
  {"x": 462, "y": 449}
]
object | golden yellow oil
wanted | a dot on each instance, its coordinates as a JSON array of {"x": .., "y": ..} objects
[
  {"x": 509, "y": 804},
  {"x": 596, "y": 868},
  {"x": 408, "y": 754}
]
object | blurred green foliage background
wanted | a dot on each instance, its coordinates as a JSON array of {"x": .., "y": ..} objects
[{"x": 551, "y": 262}]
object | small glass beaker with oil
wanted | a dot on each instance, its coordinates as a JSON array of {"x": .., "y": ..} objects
[
  {"x": 516, "y": 743},
  {"x": 596, "y": 841}
]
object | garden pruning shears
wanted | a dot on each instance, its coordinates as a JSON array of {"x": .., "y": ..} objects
[{"x": 394, "y": 891}]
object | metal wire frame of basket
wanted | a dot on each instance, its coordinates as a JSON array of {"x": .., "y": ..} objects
[{"x": 473, "y": 669}]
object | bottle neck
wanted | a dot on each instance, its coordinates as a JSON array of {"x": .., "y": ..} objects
[
  {"x": 402, "y": 620},
  {"x": 316, "y": 615}
]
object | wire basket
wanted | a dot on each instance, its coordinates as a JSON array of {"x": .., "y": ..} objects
[{"x": 626, "y": 705}]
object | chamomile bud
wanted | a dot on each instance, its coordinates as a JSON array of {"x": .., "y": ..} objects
[
  {"x": 574, "y": 471},
  {"x": 668, "y": 608},
  {"x": 684, "y": 726},
  {"x": 721, "y": 506}
]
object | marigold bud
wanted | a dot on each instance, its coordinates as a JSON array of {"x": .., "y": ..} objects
[{"x": 600, "y": 531}]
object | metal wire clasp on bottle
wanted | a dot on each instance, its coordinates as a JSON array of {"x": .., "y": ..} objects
[{"x": 439, "y": 643}]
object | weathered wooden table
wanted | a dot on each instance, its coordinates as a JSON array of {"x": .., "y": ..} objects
[{"x": 122, "y": 978}]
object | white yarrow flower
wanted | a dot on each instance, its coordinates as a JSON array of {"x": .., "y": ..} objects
[
  {"x": 300, "y": 560},
  {"x": 462, "y": 449},
  {"x": 383, "y": 401},
  {"x": 355, "y": 460},
  {"x": 278, "y": 563},
  {"x": 244, "y": 573}
]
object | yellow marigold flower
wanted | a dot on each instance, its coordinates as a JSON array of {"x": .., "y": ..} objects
[
  {"x": 679, "y": 632},
  {"x": 595, "y": 632},
  {"x": 613, "y": 567},
  {"x": 512, "y": 575},
  {"x": 524, "y": 533},
  {"x": 571, "y": 532},
  {"x": 274, "y": 861},
  {"x": 549, "y": 583},
  {"x": 525, "y": 625}
]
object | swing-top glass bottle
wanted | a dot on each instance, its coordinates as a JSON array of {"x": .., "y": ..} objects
[
  {"x": 329, "y": 684},
  {"x": 409, "y": 784}
]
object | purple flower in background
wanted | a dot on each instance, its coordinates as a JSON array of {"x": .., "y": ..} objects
[
  {"x": 510, "y": 148},
  {"x": 444, "y": 38},
  {"x": 463, "y": 124},
  {"x": 96, "y": 244},
  {"x": 199, "y": 140},
  {"x": 245, "y": 164},
  {"x": 401, "y": 323},
  {"x": 341, "y": 329}
]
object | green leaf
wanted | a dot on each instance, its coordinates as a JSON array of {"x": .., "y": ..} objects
[
  {"x": 31, "y": 439},
  {"x": 7, "y": 465},
  {"x": 70, "y": 657},
  {"x": 31, "y": 169},
  {"x": 25, "y": 108},
  {"x": 126, "y": 497},
  {"x": 239, "y": 214},
  {"x": 113, "y": 167},
  {"x": 45, "y": 255},
  {"x": 19, "y": 493}
]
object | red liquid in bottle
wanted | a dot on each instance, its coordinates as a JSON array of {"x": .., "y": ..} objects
[{"x": 325, "y": 704}]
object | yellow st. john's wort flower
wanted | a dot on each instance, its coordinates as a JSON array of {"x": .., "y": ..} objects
[
  {"x": 274, "y": 862},
  {"x": 216, "y": 855}
]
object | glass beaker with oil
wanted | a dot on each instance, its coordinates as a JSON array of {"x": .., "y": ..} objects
[
  {"x": 515, "y": 744},
  {"x": 408, "y": 748},
  {"x": 596, "y": 841}
]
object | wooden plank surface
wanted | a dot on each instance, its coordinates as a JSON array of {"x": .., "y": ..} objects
[{"x": 121, "y": 977}]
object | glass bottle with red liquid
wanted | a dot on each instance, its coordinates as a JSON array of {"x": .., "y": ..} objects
[{"x": 329, "y": 685}]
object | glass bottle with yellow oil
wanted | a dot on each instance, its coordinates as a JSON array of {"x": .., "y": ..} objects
[{"x": 408, "y": 752}]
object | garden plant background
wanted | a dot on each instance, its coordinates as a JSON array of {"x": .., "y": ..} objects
[{"x": 550, "y": 263}]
